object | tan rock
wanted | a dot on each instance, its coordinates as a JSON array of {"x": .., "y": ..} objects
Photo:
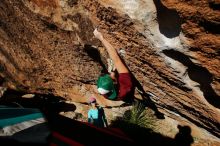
[{"x": 172, "y": 48}]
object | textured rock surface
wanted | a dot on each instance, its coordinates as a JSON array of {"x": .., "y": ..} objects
[{"x": 172, "y": 48}]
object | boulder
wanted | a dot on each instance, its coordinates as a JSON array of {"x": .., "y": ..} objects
[{"x": 171, "y": 47}]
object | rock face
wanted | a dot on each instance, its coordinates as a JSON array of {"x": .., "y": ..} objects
[{"x": 172, "y": 49}]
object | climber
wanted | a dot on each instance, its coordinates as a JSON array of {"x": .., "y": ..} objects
[
  {"x": 106, "y": 82},
  {"x": 96, "y": 114}
]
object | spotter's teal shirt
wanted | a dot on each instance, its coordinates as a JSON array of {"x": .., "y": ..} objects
[
  {"x": 93, "y": 114},
  {"x": 97, "y": 117}
]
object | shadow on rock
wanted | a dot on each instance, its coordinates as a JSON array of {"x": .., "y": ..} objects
[
  {"x": 169, "y": 21},
  {"x": 48, "y": 103},
  {"x": 147, "y": 101},
  {"x": 198, "y": 74},
  {"x": 183, "y": 138},
  {"x": 94, "y": 54},
  {"x": 146, "y": 136}
]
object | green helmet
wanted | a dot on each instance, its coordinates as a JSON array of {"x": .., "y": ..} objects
[{"x": 105, "y": 85}]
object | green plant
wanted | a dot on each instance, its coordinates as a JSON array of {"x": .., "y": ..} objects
[
  {"x": 138, "y": 115},
  {"x": 195, "y": 139}
]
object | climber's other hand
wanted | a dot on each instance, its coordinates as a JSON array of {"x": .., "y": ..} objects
[{"x": 98, "y": 34}]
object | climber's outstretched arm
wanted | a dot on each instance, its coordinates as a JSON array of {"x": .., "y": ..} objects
[{"x": 121, "y": 68}]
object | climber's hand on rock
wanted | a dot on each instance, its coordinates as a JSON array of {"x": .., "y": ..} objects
[{"x": 98, "y": 34}]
